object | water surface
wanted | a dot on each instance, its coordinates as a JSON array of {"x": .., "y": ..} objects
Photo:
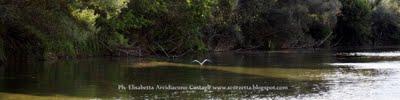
[{"x": 291, "y": 74}]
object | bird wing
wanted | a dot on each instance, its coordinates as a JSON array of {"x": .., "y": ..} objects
[
  {"x": 196, "y": 61},
  {"x": 205, "y": 60}
]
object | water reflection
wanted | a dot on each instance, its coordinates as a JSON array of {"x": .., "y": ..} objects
[
  {"x": 377, "y": 80},
  {"x": 308, "y": 75},
  {"x": 302, "y": 74}
]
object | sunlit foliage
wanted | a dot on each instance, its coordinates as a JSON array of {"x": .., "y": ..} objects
[{"x": 86, "y": 15}]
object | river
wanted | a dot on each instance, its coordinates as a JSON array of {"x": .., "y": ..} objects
[{"x": 287, "y": 74}]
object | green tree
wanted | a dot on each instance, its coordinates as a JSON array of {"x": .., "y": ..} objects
[
  {"x": 222, "y": 31},
  {"x": 287, "y": 23},
  {"x": 164, "y": 26},
  {"x": 386, "y": 23},
  {"x": 354, "y": 23}
]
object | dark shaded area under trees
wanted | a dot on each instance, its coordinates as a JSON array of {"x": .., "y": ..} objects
[{"x": 48, "y": 29}]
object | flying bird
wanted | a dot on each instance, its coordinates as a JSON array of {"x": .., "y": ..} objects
[{"x": 202, "y": 63}]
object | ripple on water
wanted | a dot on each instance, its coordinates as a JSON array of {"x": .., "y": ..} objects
[
  {"x": 376, "y": 54},
  {"x": 370, "y": 65},
  {"x": 369, "y": 80}
]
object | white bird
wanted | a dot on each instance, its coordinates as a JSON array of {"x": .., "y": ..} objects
[{"x": 201, "y": 63}]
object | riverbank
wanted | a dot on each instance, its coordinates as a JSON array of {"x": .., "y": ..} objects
[{"x": 46, "y": 29}]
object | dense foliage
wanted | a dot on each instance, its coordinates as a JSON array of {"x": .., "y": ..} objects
[
  {"x": 40, "y": 28},
  {"x": 354, "y": 25},
  {"x": 164, "y": 26},
  {"x": 386, "y": 23},
  {"x": 65, "y": 28},
  {"x": 288, "y": 23}
]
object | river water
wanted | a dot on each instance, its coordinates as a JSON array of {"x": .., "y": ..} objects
[{"x": 288, "y": 74}]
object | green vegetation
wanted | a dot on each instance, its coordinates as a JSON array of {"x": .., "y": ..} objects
[
  {"x": 287, "y": 24},
  {"x": 386, "y": 23},
  {"x": 41, "y": 28},
  {"x": 164, "y": 26},
  {"x": 354, "y": 24},
  {"x": 73, "y": 28}
]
